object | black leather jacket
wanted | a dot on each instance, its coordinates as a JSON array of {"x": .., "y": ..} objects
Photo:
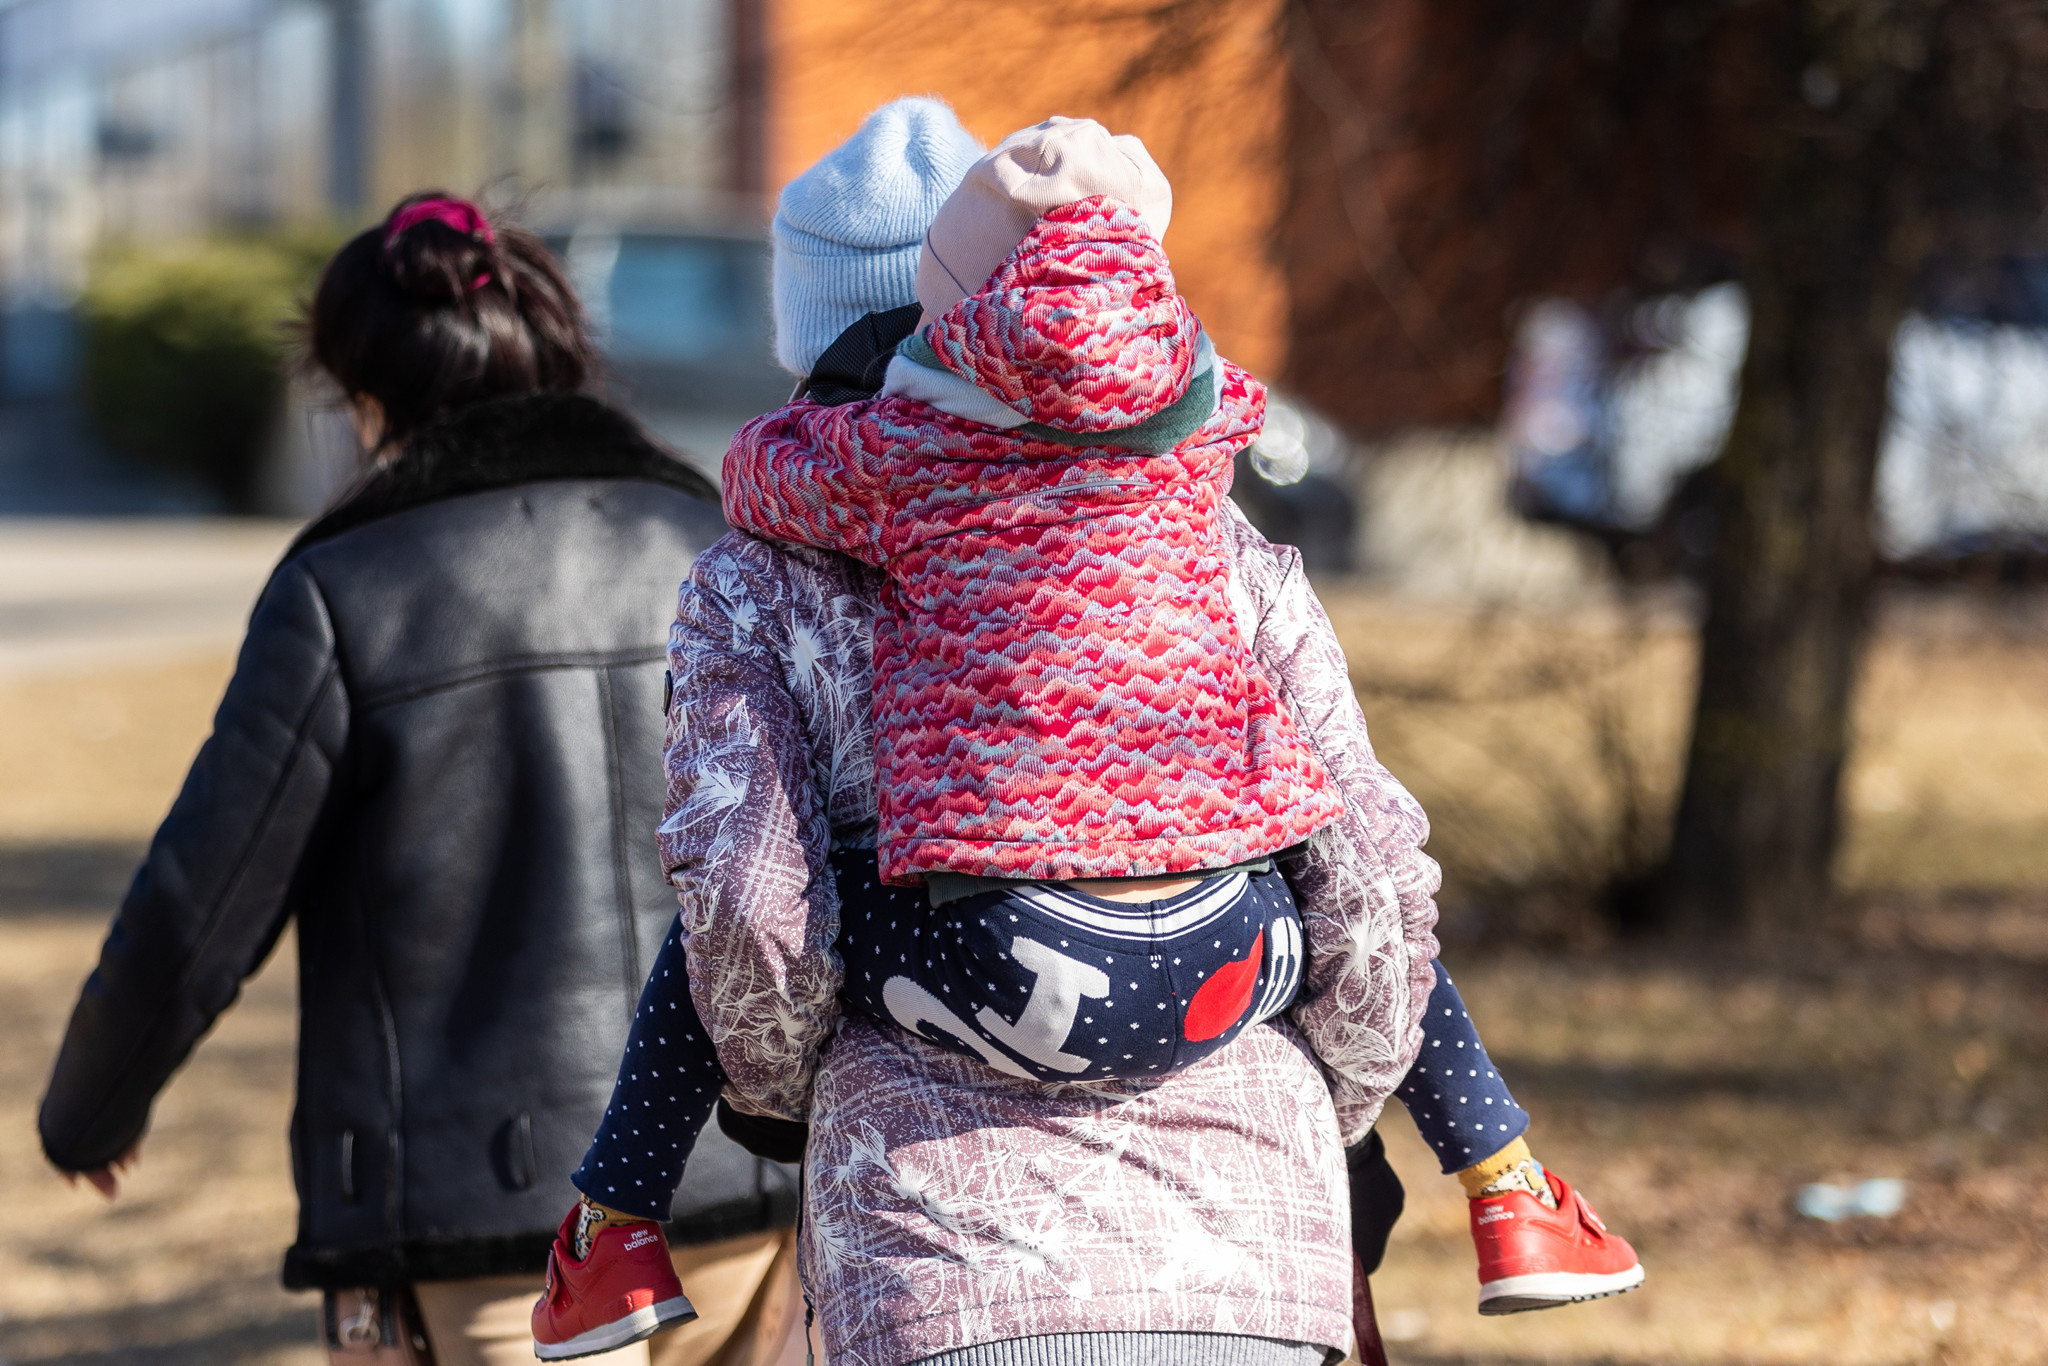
[{"x": 440, "y": 754}]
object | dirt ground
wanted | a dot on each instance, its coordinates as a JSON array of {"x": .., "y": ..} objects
[{"x": 1689, "y": 1097}]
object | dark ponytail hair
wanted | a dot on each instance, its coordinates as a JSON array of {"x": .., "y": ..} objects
[{"x": 434, "y": 309}]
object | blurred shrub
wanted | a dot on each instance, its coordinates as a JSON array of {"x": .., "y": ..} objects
[{"x": 185, "y": 351}]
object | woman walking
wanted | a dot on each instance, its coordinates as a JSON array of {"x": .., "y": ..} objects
[
  {"x": 956, "y": 1216},
  {"x": 439, "y": 755}
]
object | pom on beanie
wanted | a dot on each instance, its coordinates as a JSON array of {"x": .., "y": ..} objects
[
  {"x": 848, "y": 230},
  {"x": 1036, "y": 169}
]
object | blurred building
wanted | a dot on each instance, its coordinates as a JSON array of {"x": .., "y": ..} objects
[
  {"x": 125, "y": 119},
  {"x": 154, "y": 118},
  {"x": 630, "y": 132},
  {"x": 644, "y": 137},
  {"x": 1206, "y": 86}
]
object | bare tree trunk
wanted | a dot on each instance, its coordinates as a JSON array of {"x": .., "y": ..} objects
[{"x": 1788, "y": 592}]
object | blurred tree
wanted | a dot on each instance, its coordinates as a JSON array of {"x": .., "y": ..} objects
[
  {"x": 1452, "y": 157},
  {"x": 1445, "y": 160},
  {"x": 1885, "y": 132}
]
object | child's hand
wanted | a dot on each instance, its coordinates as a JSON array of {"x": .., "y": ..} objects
[{"x": 107, "y": 1180}]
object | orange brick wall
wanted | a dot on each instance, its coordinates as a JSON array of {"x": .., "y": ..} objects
[{"x": 1205, "y": 88}]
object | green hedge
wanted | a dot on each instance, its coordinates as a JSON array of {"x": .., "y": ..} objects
[{"x": 185, "y": 351}]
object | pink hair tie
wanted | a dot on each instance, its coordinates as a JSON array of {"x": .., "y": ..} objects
[{"x": 459, "y": 214}]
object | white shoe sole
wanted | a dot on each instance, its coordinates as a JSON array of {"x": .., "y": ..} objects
[
  {"x": 641, "y": 1323},
  {"x": 1547, "y": 1290}
]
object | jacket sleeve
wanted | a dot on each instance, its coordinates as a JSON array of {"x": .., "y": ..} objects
[
  {"x": 1366, "y": 890},
  {"x": 746, "y": 839},
  {"x": 212, "y": 896},
  {"x": 803, "y": 474}
]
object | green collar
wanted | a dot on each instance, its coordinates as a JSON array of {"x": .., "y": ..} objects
[{"x": 1157, "y": 434}]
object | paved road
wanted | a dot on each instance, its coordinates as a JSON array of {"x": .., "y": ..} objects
[{"x": 78, "y": 593}]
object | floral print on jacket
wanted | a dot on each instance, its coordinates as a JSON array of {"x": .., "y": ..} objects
[{"x": 947, "y": 1204}]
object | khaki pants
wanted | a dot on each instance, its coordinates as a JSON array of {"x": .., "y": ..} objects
[{"x": 750, "y": 1312}]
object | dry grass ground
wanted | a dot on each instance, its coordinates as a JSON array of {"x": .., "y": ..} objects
[
  {"x": 183, "y": 1269},
  {"x": 1688, "y": 1097},
  {"x": 1689, "y": 1102},
  {"x": 1546, "y": 746}
]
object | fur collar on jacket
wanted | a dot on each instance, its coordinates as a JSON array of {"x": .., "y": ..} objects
[{"x": 502, "y": 442}]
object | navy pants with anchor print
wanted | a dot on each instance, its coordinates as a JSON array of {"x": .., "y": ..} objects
[
  {"x": 1044, "y": 983},
  {"x": 1040, "y": 981}
]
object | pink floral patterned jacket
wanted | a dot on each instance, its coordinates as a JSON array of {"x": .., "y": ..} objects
[
  {"x": 947, "y": 1204},
  {"x": 1061, "y": 689}
]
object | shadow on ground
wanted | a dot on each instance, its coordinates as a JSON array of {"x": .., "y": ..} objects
[
  {"x": 202, "y": 1329},
  {"x": 81, "y": 877}
]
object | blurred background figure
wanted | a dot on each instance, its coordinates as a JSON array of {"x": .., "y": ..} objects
[{"x": 1658, "y": 402}]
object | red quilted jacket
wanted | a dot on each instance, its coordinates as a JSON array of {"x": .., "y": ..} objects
[{"x": 1060, "y": 687}]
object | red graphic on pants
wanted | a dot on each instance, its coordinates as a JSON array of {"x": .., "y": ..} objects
[{"x": 1222, "y": 1001}]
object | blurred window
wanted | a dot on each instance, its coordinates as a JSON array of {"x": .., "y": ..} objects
[{"x": 686, "y": 300}]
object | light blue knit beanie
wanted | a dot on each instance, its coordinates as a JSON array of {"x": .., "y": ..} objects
[{"x": 848, "y": 230}]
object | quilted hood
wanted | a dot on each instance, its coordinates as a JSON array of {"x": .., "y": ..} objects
[{"x": 1079, "y": 338}]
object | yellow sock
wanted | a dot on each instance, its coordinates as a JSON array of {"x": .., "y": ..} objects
[
  {"x": 593, "y": 1219},
  {"x": 1477, "y": 1177}
]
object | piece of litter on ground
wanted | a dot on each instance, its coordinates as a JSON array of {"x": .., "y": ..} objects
[
  {"x": 1942, "y": 1314},
  {"x": 1878, "y": 1198}
]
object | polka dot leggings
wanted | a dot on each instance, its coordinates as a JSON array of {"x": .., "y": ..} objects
[
  {"x": 1454, "y": 1093},
  {"x": 667, "y": 1088}
]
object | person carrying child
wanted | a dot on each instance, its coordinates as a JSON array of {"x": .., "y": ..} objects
[{"x": 1087, "y": 787}]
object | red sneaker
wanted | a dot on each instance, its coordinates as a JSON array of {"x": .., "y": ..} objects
[
  {"x": 1533, "y": 1257},
  {"x": 625, "y": 1290}
]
